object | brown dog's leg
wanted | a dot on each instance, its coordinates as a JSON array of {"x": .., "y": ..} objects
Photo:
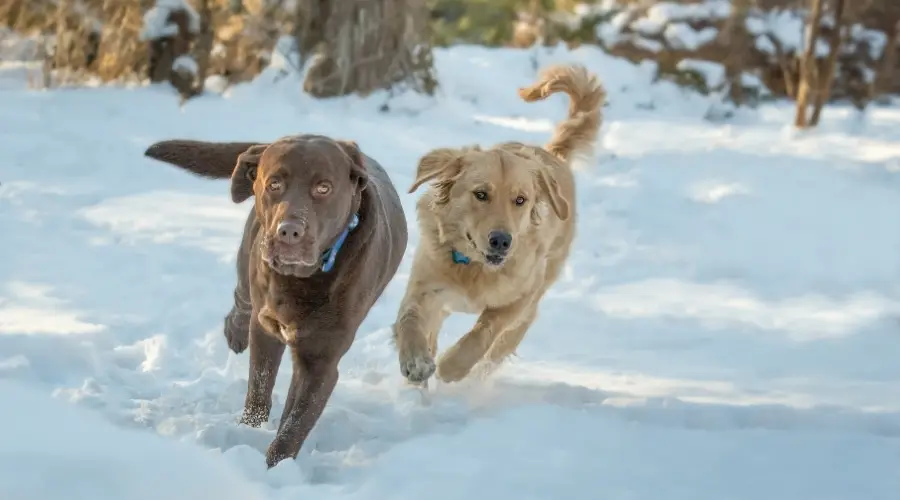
[
  {"x": 265, "y": 358},
  {"x": 312, "y": 383},
  {"x": 458, "y": 361},
  {"x": 415, "y": 332},
  {"x": 237, "y": 322}
]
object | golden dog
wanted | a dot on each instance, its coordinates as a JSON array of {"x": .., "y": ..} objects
[{"x": 496, "y": 227}]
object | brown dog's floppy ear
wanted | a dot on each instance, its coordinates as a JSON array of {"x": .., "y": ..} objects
[
  {"x": 206, "y": 159},
  {"x": 358, "y": 171},
  {"x": 443, "y": 164},
  {"x": 550, "y": 186},
  {"x": 243, "y": 173}
]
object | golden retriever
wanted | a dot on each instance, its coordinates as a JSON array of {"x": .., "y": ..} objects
[{"x": 496, "y": 226}]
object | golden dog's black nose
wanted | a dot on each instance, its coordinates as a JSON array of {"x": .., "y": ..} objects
[{"x": 499, "y": 241}]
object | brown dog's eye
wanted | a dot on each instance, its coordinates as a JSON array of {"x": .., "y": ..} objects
[
  {"x": 322, "y": 189},
  {"x": 274, "y": 185},
  {"x": 520, "y": 200},
  {"x": 480, "y": 195}
]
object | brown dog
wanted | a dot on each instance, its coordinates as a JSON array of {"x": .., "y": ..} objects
[
  {"x": 497, "y": 225},
  {"x": 326, "y": 235}
]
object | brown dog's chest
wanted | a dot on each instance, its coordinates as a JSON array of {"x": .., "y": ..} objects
[{"x": 287, "y": 308}]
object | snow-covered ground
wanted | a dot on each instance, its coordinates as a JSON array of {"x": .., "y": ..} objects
[{"x": 728, "y": 326}]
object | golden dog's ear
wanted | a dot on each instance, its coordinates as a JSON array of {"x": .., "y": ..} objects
[
  {"x": 442, "y": 165},
  {"x": 244, "y": 174},
  {"x": 544, "y": 178},
  {"x": 548, "y": 184}
]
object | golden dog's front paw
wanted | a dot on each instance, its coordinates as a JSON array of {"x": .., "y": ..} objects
[
  {"x": 417, "y": 368},
  {"x": 451, "y": 368},
  {"x": 416, "y": 362}
]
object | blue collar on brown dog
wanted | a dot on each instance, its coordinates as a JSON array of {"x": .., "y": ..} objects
[{"x": 331, "y": 253}]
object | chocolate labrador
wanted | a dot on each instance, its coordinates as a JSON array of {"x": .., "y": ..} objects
[{"x": 325, "y": 237}]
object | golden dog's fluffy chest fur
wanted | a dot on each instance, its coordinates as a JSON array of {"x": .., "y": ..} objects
[{"x": 471, "y": 289}]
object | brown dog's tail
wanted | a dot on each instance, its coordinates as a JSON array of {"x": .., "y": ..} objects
[
  {"x": 214, "y": 160},
  {"x": 578, "y": 132}
]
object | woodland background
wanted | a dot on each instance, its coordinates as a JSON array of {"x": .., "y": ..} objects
[{"x": 809, "y": 51}]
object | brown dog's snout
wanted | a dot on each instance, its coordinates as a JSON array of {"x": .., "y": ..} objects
[
  {"x": 289, "y": 232},
  {"x": 499, "y": 241}
]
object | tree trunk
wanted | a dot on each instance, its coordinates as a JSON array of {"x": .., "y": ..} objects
[
  {"x": 886, "y": 68},
  {"x": 826, "y": 80},
  {"x": 738, "y": 41},
  {"x": 808, "y": 69},
  {"x": 310, "y": 18},
  {"x": 203, "y": 46}
]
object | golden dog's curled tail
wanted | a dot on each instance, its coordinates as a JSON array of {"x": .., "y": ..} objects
[{"x": 577, "y": 134}]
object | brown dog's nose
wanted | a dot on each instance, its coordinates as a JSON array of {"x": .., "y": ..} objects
[
  {"x": 289, "y": 232},
  {"x": 500, "y": 241}
]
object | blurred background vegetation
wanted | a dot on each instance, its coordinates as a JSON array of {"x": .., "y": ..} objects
[{"x": 359, "y": 46}]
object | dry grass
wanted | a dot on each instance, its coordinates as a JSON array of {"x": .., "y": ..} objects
[{"x": 81, "y": 39}]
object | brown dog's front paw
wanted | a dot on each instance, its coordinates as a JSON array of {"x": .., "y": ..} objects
[
  {"x": 254, "y": 417},
  {"x": 417, "y": 368},
  {"x": 278, "y": 450},
  {"x": 237, "y": 330}
]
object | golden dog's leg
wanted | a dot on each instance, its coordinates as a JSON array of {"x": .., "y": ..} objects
[
  {"x": 416, "y": 329},
  {"x": 507, "y": 342},
  {"x": 458, "y": 361},
  {"x": 433, "y": 332}
]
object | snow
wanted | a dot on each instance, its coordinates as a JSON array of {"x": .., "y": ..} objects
[
  {"x": 610, "y": 33},
  {"x": 53, "y": 450},
  {"x": 682, "y": 36},
  {"x": 216, "y": 84},
  {"x": 726, "y": 326},
  {"x": 666, "y": 12},
  {"x": 787, "y": 27},
  {"x": 876, "y": 40},
  {"x": 156, "y": 19},
  {"x": 185, "y": 63},
  {"x": 713, "y": 73},
  {"x": 648, "y": 25},
  {"x": 15, "y": 48},
  {"x": 648, "y": 45}
]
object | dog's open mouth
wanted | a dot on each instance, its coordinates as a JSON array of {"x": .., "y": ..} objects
[{"x": 492, "y": 259}]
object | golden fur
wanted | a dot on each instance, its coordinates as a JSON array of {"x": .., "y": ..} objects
[{"x": 527, "y": 192}]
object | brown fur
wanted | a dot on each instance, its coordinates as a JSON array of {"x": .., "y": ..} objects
[
  {"x": 452, "y": 217},
  {"x": 283, "y": 297}
]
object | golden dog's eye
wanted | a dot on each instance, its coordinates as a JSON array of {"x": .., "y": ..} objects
[
  {"x": 322, "y": 188},
  {"x": 274, "y": 185},
  {"x": 520, "y": 200},
  {"x": 480, "y": 195}
]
